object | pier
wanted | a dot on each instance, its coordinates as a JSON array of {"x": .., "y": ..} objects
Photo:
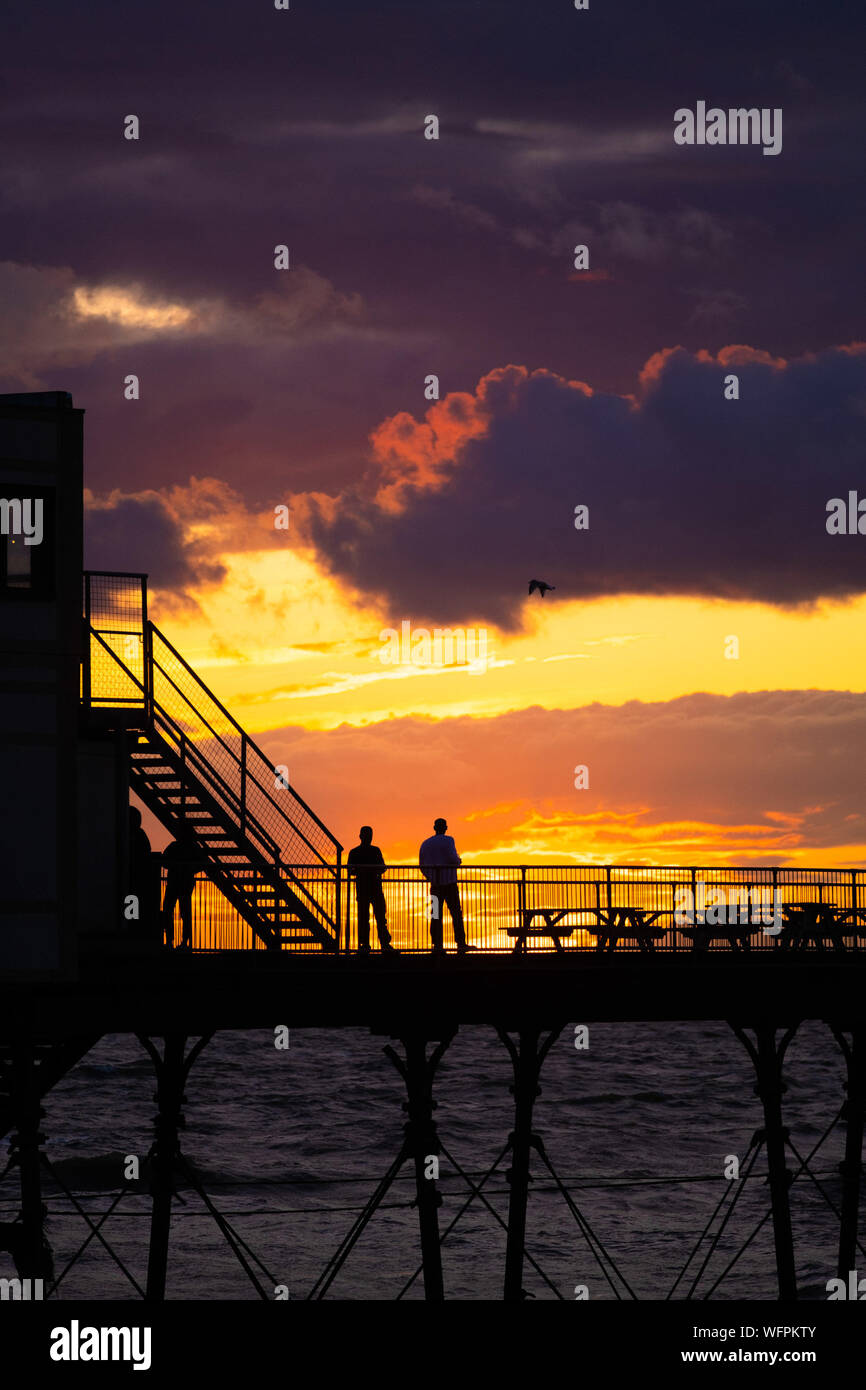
[
  {"x": 174, "y": 1002},
  {"x": 99, "y": 706}
]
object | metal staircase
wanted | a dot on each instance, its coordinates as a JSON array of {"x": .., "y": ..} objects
[{"x": 193, "y": 764}]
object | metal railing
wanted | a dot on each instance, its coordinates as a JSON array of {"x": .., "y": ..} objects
[
  {"x": 129, "y": 664},
  {"x": 114, "y": 606},
  {"x": 495, "y": 898},
  {"x": 258, "y": 797}
]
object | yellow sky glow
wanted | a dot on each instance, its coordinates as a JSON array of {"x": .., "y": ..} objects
[{"x": 256, "y": 638}]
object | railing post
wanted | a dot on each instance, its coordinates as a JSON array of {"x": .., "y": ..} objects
[
  {"x": 86, "y": 690},
  {"x": 243, "y": 784},
  {"x": 347, "y": 903},
  {"x": 338, "y": 906},
  {"x": 521, "y": 905},
  {"x": 279, "y": 908},
  {"x": 148, "y": 682},
  {"x": 183, "y": 776},
  {"x": 147, "y": 669},
  {"x": 609, "y": 890}
]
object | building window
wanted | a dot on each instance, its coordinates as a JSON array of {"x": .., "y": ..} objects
[{"x": 27, "y": 542}]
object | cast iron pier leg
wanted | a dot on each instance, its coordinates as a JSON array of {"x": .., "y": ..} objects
[
  {"x": 420, "y": 1143},
  {"x": 767, "y": 1059},
  {"x": 32, "y": 1255},
  {"x": 172, "y": 1070},
  {"x": 853, "y": 1113},
  {"x": 527, "y": 1058},
  {"x": 169, "y": 1098}
]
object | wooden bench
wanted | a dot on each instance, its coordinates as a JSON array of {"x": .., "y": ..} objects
[{"x": 552, "y": 917}]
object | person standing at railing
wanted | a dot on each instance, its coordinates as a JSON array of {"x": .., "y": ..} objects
[
  {"x": 438, "y": 861},
  {"x": 367, "y": 865},
  {"x": 182, "y": 860}
]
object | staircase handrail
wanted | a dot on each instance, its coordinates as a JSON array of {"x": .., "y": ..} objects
[
  {"x": 243, "y": 812},
  {"x": 250, "y": 743},
  {"x": 203, "y": 767},
  {"x": 247, "y": 821}
]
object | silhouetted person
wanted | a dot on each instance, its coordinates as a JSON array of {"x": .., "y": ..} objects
[
  {"x": 366, "y": 864},
  {"x": 143, "y": 881},
  {"x": 181, "y": 859},
  {"x": 438, "y": 860}
]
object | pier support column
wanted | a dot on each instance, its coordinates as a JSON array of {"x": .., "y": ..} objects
[
  {"x": 31, "y": 1252},
  {"x": 853, "y": 1113},
  {"x": 421, "y": 1144},
  {"x": 767, "y": 1059},
  {"x": 527, "y": 1057},
  {"x": 172, "y": 1069}
]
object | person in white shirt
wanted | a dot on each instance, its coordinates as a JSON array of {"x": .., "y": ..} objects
[{"x": 438, "y": 860}]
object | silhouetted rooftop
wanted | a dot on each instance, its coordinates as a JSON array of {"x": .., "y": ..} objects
[{"x": 48, "y": 400}]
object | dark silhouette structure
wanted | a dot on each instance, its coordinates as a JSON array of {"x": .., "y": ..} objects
[
  {"x": 367, "y": 865},
  {"x": 144, "y": 876},
  {"x": 182, "y": 861},
  {"x": 438, "y": 861},
  {"x": 126, "y": 712}
]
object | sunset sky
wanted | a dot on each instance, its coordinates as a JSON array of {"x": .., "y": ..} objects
[{"x": 703, "y": 651}]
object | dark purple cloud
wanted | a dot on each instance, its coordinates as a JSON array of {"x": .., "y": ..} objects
[
  {"x": 688, "y": 493},
  {"x": 305, "y": 127}
]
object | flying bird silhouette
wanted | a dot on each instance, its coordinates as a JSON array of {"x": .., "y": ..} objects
[{"x": 540, "y": 585}]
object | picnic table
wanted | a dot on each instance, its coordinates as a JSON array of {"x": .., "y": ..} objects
[
  {"x": 739, "y": 937},
  {"x": 552, "y": 918},
  {"x": 620, "y": 921},
  {"x": 811, "y": 921}
]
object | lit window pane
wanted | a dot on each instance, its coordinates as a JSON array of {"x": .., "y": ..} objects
[{"x": 18, "y": 570}]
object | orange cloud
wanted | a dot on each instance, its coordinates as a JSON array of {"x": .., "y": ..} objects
[
  {"x": 733, "y": 355},
  {"x": 417, "y": 454}
]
